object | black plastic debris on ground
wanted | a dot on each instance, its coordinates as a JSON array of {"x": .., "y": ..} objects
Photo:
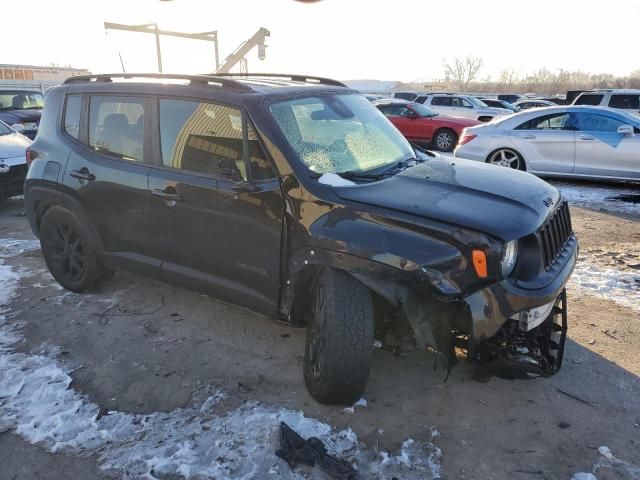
[{"x": 295, "y": 450}]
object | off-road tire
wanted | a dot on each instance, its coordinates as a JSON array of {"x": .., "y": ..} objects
[
  {"x": 67, "y": 251},
  {"x": 340, "y": 336}
]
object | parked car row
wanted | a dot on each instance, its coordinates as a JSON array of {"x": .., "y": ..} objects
[
  {"x": 596, "y": 138},
  {"x": 574, "y": 141}
]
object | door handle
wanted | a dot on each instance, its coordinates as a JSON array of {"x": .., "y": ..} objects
[
  {"x": 528, "y": 136},
  {"x": 83, "y": 174},
  {"x": 586, "y": 137},
  {"x": 168, "y": 196}
]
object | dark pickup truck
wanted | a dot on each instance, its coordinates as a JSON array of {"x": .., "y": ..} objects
[{"x": 21, "y": 110}]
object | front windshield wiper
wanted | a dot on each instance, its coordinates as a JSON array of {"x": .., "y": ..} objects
[{"x": 352, "y": 174}]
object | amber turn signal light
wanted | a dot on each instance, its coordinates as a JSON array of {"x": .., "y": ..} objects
[{"x": 480, "y": 263}]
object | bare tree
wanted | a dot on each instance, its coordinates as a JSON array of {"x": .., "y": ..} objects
[
  {"x": 462, "y": 71},
  {"x": 508, "y": 77}
]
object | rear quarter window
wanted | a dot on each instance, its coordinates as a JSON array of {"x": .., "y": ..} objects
[
  {"x": 72, "y": 109},
  {"x": 589, "y": 100}
]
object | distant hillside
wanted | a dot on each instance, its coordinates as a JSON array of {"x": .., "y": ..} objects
[{"x": 371, "y": 86}]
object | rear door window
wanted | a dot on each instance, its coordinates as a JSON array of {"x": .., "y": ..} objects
[
  {"x": 628, "y": 102},
  {"x": 591, "y": 122},
  {"x": 441, "y": 101},
  {"x": 589, "y": 99},
  {"x": 116, "y": 126}
]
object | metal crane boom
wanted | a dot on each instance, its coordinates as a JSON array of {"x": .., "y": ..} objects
[{"x": 256, "y": 40}]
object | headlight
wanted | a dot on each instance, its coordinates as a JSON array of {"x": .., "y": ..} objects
[{"x": 509, "y": 257}]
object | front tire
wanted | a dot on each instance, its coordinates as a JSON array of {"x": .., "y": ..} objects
[
  {"x": 340, "y": 336},
  {"x": 445, "y": 140},
  {"x": 65, "y": 245}
]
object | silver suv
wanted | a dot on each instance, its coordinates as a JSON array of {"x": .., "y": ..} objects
[
  {"x": 622, "y": 99},
  {"x": 457, "y": 105}
]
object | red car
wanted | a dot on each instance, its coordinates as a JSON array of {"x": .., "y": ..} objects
[{"x": 422, "y": 125}]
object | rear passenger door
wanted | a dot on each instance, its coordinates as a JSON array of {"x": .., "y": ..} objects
[
  {"x": 106, "y": 177},
  {"x": 444, "y": 105},
  {"x": 215, "y": 204}
]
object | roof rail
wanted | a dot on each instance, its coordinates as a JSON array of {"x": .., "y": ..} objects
[
  {"x": 194, "y": 79},
  {"x": 291, "y": 77}
]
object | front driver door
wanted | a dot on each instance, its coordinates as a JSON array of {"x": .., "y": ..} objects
[
  {"x": 218, "y": 229},
  {"x": 547, "y": 142},
  {"x": 602, "y": 151}
]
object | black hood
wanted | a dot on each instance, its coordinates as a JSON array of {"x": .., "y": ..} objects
[
  {"x": 20, "y": 116},
  {"x": 505, "y": 203}
]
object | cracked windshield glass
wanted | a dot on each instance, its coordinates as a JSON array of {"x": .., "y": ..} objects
[{"x": 340, "y": 133}]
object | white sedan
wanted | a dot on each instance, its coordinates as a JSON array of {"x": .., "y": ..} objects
[
  {"x": 13, "y": 163},
  {"x": 565, "y": 141}
]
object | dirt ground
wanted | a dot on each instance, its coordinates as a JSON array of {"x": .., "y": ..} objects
[{"x": 141, "y": 346}]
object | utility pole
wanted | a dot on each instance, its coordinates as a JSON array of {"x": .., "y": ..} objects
[{"x": 158, "y": 52}]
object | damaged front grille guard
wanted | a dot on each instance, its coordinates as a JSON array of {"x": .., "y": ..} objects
[{"x": 541, "y": 360}]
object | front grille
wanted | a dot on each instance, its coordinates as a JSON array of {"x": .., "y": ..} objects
[
  {"x": 12, "y": 181},
  {"x": 554, "y": 234}
]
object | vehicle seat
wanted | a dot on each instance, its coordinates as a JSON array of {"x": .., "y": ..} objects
[
  {"x": 18, "y": 102},
  {"x": 115, "y": 126}
]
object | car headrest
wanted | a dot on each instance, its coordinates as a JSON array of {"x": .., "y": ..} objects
[{"x": 116, "y": 122}]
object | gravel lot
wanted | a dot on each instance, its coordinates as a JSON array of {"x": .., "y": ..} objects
[{"x": 145, "y": 380}]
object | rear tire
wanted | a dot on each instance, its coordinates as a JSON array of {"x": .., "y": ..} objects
[
  {"x": 340, "y": 336},
  {"x": 445, "y": 140},
  {"x": 65, "y": 245},
  {"x": 507, "y": 157}
]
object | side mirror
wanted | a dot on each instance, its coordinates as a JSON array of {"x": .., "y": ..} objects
[
  {"x": 626, "y": 130},
  {"x": 413, "y": 116}
]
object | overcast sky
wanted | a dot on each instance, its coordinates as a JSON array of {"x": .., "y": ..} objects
[{"x": 346, "y": 39}]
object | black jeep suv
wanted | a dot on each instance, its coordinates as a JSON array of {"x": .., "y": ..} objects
[{"x": 295, "y": 197}]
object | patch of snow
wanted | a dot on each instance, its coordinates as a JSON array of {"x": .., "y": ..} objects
[
  {"x": 335, "y": 180},
  {"x": 419, "y": 457},
  {"x": 621, "y": 468},
  {"x": 605, "y": 452},
  {"x": 600, "y": 197},
  {"x": 360, "y": 403},
  {"x": 615, "y": 285},
  {"x": 583, "y": 476},
  {"x": 38, "y": 403}
]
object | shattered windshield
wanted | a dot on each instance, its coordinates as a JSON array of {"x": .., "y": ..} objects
[{"x": 340, "y": 133}]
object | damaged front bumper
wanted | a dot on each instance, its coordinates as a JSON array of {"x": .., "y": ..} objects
[
  {"x": 491, "y": 307},
  {"x": 523, "y": 329}
]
